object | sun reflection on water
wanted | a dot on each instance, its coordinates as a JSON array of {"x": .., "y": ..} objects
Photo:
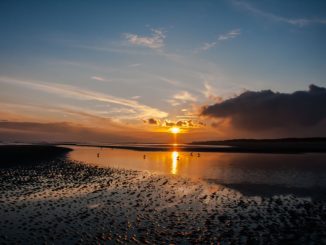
[{"x": 175, "y": 159}]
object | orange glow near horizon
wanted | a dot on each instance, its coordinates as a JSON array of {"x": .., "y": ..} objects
[{"x": 175, "y": 130}]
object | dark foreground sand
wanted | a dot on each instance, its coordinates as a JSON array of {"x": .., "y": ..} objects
[{"x": 63, "y": 202}]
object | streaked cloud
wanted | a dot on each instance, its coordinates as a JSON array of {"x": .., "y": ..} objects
[
  {"x": 300, "y": 22},
  {"x": 207, "y": 46},
  {"x": 185, "y": 96},
  {"x": 98, "y": 78},
  {"x": 134, "y": 65},
  {"x": 170, "y": 81},
  {"x": 136, "y": 97},
  {"x": 181, "y": 98},
  {"x": 229, "y": 35},
  {"x": 83, "y": 94},
  {"x": 155, "y": 41},
  {"x": 57, "y": 132},
  {"x": 173, "y": 102},
  {"x": 223, "y": 37},
  {"x": 33, "y": 109},
  {"x": 208, "y": 90}
]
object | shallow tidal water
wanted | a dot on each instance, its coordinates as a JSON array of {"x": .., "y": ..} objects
[
  {"x": 251, "y": 173},
  {"x": 151, "y": 201}
]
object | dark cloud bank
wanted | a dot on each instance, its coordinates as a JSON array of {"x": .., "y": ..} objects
[{"x": 267, "y": 110}]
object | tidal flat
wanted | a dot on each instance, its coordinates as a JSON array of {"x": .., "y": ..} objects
[{"x": 62, "y": 201}]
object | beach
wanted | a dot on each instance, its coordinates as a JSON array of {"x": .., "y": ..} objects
[
  {"x": 60, "y": 201},
  {"x": 163, "y": 122}
]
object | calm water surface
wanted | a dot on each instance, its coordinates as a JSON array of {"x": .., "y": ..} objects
[{"x": 250, "y": 173}]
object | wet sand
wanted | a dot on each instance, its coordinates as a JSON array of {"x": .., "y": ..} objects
[
  {"x": 29, "y": 154},
  {"x": 66, "y": 202}
]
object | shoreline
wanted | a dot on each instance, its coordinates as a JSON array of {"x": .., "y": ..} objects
[
  {"x": 221, "y": 149},
  {"x": 43, "y": 151}
]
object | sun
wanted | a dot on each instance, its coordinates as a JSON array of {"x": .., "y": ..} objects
[{"x": 175, "y": 130}]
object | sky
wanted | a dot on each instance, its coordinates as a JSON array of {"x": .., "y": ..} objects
[{"x": 127, "y": 71}]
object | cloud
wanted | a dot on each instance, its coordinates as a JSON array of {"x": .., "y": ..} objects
[
  {"x": 183, "y": 124},
  {"x": 300, "y": 22},
  {"x": 223, "y": 37},
  {"x": 207, "y": 46},
  {"x": 135, "y": 65},
  {"x": 173, "y": 102},
  {"x": 170, "y": 81},
  {"x": 153, "y": 121},
  {"x": 181, "y": 98},
  {"x": 209, "y": 92},
  {"x": 80, "y": 115},
  {"x": 266, "y": 110},
  {"x": 97, "y": 78},
  {"x": 136, "y": 97},
  {"x": 82, "y": 94},
  {"x": 54, "y": 132},
  {"x": 155, "y": 41},
  {"x": 229, "y": 35},
  {"x": 168, "y": 123},
  {"x": 185, "y": 96}
]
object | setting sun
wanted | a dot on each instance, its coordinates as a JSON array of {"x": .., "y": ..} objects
[{"x": 175, "y": 130}]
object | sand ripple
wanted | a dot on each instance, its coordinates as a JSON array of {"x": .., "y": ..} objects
[{"x": 64, "y": 202}]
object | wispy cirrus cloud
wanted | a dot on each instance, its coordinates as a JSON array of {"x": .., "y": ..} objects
[
  {"x": 136, "y": 97},
  {"x": 300, "y": 22},
  {"x": 185, "y": 96},
  {"x": 181, "y": 98},
  {"x": 207, "y": 46},
  {"x": 98, "y": 78},
  {"x": 229, "y": 35},
  {"x": 223, "y": 37},
  {"x": 134, "y": 65},
  {"x": 209, "y": 92},
  {"x": 155, "y": 41},
  {"x": 35, "y": 112},
  {"x": 70, "y": 91}
]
